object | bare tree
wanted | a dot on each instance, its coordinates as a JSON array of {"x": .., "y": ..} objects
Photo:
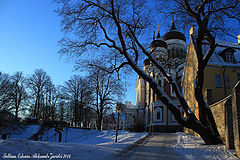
[
  {"x": 88, "y": 117},
  {"x": 107, "y": 90},
  {"x": 78, "y": 95},
  {"x": 36, "y": 83},
  {"x": 120, "y": 26},
  {"x": 62, "y": 111},
  {"x": 50, "y": 99},
  {"x": 6, "y": 89},
  {"x": 19, "y": 93}
]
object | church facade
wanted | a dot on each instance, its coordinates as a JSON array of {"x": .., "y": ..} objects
[{"x": 170, "y": 51}]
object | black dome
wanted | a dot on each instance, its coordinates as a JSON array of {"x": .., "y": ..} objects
[
  {"x": 158, "y": 43},
  {"x": 174, "y": 34},
  {"x": 146, "y": 62}
]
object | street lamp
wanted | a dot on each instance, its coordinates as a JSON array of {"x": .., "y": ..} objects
[{"x": 119, "y": 108}]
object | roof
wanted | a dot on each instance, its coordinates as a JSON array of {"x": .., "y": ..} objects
[
  {"x": 129, "y": 105},
  {"x": 174, "y": 34},
  {"x": 217, "y": 59},
  {"x": 6, "y": 115},
  {"x": 158, "y": 43}
]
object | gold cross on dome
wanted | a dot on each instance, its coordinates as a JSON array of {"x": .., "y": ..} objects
[{"x": 158, "y": 27}]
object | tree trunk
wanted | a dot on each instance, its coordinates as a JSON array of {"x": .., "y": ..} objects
[
  {"x": 16, "y": 115},
  {"x": 35, "y": 109},
  {"x": 117, "y": 126},
  {"x": 99, "y": 123},
  {"x": 191, "y": 122},
  {"x": 205, "y": 113},
  {"x": 205, "y": 133}
]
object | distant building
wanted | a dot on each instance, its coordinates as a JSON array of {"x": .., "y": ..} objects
[
  {"x": 7, "y": 116},
  {"x": 30, "y": 120},
  {"x": 127, "y": 118},
  {"x": 8, "y": 124},
  {"x": 170, "y": 52}
]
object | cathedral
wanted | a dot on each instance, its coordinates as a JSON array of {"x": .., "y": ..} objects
[{"x": 170, "y": 51}]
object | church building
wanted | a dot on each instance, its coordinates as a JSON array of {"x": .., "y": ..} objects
[{"x": 170, "y": 51}]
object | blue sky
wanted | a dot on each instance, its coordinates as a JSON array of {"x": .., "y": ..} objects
[{"x": 29, "y": 32}]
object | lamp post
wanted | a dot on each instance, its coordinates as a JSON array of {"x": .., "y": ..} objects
[{"x": 118, "y": 109}]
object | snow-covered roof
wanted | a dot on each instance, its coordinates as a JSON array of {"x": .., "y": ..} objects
[
  {"x": 217, "y": 59},
  {"x": 129, "y": 105}
]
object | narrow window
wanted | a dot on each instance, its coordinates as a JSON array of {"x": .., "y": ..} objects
[
  {"x": 229, "y": 57},
  {"x": 172, "y": 91},
  {"x": 227, "y": 82},
  {"x": 158, "y": 114},
  {"x": 218, "y": 81}
]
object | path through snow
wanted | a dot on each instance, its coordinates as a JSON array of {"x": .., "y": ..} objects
[
  {"x": 92, "y": 145},
  {"x": 176, "y": 146}
]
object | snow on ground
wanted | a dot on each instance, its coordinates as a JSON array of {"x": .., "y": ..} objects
[
  {"x": 191, "y": 147},
  {"x": 77, "y": 144},
  {"x": 26, "y": 132},
  {"x": 80, "y": 144},
  {"x": 83, "y": 136}
]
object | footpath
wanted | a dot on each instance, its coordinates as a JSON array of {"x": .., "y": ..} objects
[{"x": 175, "y": 146}]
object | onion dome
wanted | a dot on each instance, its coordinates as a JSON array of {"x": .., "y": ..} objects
[
  {"x": 158, "y": 42},
  {"x": 174, "y": 34},
  {"x": 146, "y": 62}
]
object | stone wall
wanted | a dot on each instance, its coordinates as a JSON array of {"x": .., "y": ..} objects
[
  {"x": 227, "y": 116},
  {"x": 218, "y": 110},
  {"x": 229, "y": 138},
  {"x": 236, "y": 117}
]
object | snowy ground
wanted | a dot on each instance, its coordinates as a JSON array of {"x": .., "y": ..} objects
[
  {"x": 193, "y": 147},
  {"x": 79, "y": 144}
]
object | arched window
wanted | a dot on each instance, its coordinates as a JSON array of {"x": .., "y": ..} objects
[{"x": 158, "y": 114}]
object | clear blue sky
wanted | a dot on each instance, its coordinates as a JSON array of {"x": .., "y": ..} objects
[{"x": 29, "y": 32}]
